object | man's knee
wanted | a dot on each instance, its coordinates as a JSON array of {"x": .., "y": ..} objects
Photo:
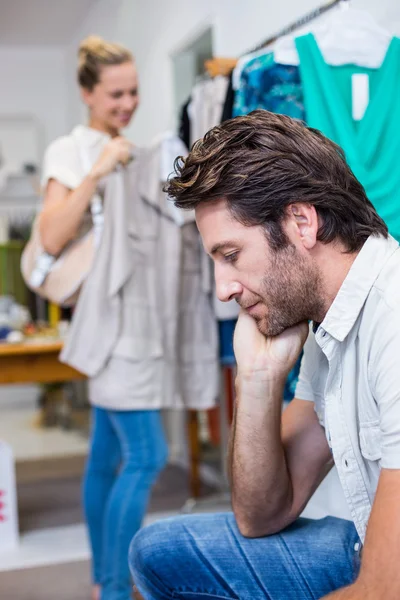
[
  {"x": 160, "y": 553},
  {"x": 148, "y": 548},
  {"x": 156, "y": 552},
  {"x": 138, "y": 552}
]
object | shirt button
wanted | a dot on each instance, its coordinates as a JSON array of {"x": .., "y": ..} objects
[{"x": 356, "y": 546}]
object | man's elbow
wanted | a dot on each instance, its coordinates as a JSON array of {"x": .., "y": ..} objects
[
  {"x": 262, "y": 519},
  {"x": 256, "y": 526},
  {"x": 251, "y": 530}
]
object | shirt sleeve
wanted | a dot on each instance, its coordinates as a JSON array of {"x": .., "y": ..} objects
[
  {"x": 384, "y": 375},
  {"x": 304, "y": 389},
  {"x": 61, "y": 162}
]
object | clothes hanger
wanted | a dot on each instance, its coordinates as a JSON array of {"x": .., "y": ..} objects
[
  {"x": 219, "y": 66},
  {"x": 349, "y": 36},
  {"x": 268, "y": 44}
]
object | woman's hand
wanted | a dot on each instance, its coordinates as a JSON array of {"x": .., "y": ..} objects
[{"x": 117, "y": 151}]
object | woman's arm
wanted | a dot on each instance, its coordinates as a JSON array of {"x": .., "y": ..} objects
[
  {"x": 63, "y": 208},
  {"x": 63, "y": 211}
]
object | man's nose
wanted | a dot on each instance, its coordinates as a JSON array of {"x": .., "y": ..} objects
[{"x": 228, "y": 290}]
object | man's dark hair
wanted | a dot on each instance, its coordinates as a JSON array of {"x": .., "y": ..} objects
[{"x": 262, "y": 163}]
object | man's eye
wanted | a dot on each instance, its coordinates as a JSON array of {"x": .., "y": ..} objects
[{"x": 231, "y": 258}]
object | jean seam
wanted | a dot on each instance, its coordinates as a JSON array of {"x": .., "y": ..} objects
[
  {"x": 204, "y": 559},
  {"x": 149, "y": 585},
  {"x": 98, "y": 415},
  {"x": 125, "y": 444},
  {"x": 145, "y": 447},
  {"x": 247, "y": 562},
  {"x": 122, "y": 439},
  {"x": 205, "y": 594},
  {"x": 299, "y": 575}
]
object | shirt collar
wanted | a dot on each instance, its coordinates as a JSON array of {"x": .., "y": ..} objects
[{"x": 355, "y": 289}]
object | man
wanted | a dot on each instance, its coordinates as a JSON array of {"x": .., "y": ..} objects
[{"x": 294, "y": 239}]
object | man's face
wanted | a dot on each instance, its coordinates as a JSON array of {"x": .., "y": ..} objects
[{"x": 278, "y": 289}]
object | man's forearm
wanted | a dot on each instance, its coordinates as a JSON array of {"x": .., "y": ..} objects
[{"x": 261, "y": 486}]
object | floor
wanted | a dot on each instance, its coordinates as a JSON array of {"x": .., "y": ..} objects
[
  {"x": 18, "y": 428},
  {"x": 52, "y": 557},
  {"x": 67, "y": 581},
  {"x": 49, "y": 465}
]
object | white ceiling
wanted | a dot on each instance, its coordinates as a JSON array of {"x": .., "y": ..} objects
[{"x": 41, "y": 22}]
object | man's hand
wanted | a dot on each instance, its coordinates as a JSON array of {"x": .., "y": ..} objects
[
  {"x": 276, "y": 462},
  {"x": 272, "y": 357}
]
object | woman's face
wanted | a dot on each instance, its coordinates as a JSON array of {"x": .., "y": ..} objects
[{"x": 115, "y": 98}]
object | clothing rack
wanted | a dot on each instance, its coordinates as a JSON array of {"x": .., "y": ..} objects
[
  {"x": 317, "y": 12},
  {"x": 224, "y": 66}
]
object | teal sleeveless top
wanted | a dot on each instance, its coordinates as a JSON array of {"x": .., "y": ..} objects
[{"x": 371, "y": 145}]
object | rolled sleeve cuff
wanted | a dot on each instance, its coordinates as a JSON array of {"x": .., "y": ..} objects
[{"x": 304, "y": 391}]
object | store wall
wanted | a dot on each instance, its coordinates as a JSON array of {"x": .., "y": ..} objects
[
  {"x": 34, "y": 82},
  {"x": 105, "y": 19}
]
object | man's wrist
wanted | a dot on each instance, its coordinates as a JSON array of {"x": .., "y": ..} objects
[
  {"x": 259, "y": 384},
  {"x": 260, "y": 377}
]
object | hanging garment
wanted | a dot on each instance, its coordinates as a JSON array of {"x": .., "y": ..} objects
[
  {"x": 244, "y": 62},
  {"x": 184, "y": 124},
  {"x": 371, "y": 144},
  {"x": 205, "y": 111},
  {"x": 206, "y": 106},
  {"x": 143, "y": 328},
  {"x": 348, "y": 36},
  {"x": 227, "y": 111},
  {"x": 274, "y": 87}
]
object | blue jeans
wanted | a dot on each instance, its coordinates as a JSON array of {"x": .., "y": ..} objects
[
  {"x": 127, "y": 452},
  {"x": 202, "y": 557}
]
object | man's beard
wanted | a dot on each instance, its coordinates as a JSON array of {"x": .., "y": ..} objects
[{"x": 291, "y": 294}]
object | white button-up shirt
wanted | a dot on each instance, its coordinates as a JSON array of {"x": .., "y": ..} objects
[{"x": 351, "y": 371}]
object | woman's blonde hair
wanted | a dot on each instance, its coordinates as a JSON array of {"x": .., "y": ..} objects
[{"x": 95, "y": 53}]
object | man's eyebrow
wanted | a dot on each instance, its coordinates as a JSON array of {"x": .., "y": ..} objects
[{"x": 222, "y": 246}]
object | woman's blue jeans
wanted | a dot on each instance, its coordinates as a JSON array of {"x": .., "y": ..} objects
[{"x": 127, "y": 452}]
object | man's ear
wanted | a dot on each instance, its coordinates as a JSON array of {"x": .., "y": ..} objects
[{"x": 303, "y": 223}]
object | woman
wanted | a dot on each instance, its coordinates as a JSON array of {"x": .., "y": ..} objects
[{"x": 127, "y": 446}]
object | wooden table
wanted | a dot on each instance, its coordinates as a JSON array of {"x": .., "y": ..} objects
[{"x": 34, "y": 362}]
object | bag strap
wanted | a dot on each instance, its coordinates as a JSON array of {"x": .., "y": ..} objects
[{"x": 96, "y": 204}]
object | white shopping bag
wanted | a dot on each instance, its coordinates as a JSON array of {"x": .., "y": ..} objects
[{"x": 8, "y": 500}]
